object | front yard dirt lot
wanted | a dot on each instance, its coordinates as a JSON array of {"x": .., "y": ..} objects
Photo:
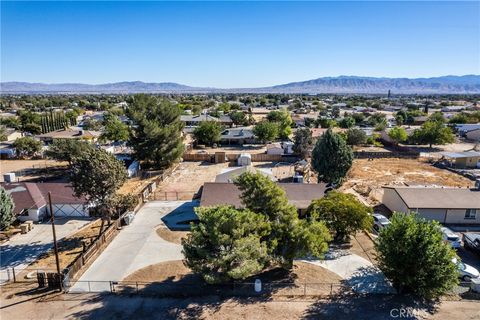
[
  {"x": 21, "y": 302},
  {"x": 32, "y": 169},
  {"x": 366, "y": 177}
]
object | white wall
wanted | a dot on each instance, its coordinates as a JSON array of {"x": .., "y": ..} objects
[
  {"x": 457, "y": 216},
  {"x": 392, "y": 201}
]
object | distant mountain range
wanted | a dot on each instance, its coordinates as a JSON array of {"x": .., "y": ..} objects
[{"x": 468, "y": 84}]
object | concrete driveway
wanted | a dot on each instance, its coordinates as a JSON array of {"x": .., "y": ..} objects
[
  {"x": 135, "y": 247},
  {"x": 358, "y": 272},
  {"x": 23, "y": 249}
]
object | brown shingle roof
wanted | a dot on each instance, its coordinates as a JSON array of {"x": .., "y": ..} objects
[
  {"x": 299, "y": 194},
  {"x": 439, "y": 198},
  {"x": 28, "y": 195}
]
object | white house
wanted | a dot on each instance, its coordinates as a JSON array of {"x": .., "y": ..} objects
[
  {"x": 446, "y": 205},
  {"x": 275, "y": 148},
  {"x": 31, "y": 200}
]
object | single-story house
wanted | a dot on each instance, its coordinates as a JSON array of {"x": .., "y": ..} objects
[
  {"x": 239, "y": 135},
  {"x": 473, "y": 135},
  {"x": 466, "y": 127},
  {"x": 446, "y": 205},
  {"x": 318, "y": 132},
  {"x": 69, "y": 133},
  {"x": 12, "y": 134},
  {"x": 275, "y": 148},
  {"x": 195, "y": 120},
  {"x": 31, "y": 200},
  {"x": 229, "y": 174},
  {"x": 299, "y": 194},
  {"x": 465, "y": 159}
]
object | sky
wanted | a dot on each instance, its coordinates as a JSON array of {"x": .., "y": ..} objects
[{"x": 235, "y": 44}]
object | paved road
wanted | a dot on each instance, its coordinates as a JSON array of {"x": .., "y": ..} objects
[
  {"x": 23, "y": 249},
  {"x": 135, "y": 247}
]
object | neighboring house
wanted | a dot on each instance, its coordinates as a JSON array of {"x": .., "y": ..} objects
[
  {"x": 446, "y": 205},
  {"x": 239, "y": 135},
  {"x": 473, "y": 135},
  {"x": 229, "y": 175},
  {"x": 466, "y": 159},
  {"x": 453, "y": 108},
  {"x": 31, "y": 200},
  {"x": 12, "y": 134},
  {"x": 420, "y": 120},
  {"x": 69, "y": 133},
  {"x": 195, "y": 120},
  {"x": 7, "y": 150},
  {"x": 318, "y": 132},
  {"x": 299, "y": 195},
  {"x": 466, "y": 127},
  {"x": 275, "y": 148}
]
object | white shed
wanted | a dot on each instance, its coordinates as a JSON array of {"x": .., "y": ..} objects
[{"x": 245, "y": 159}]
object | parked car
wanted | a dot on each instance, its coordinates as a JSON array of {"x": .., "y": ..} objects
[
  {"x": 471, "y": 241},
  {"x": 451, "y": 237},
  {"x": 466, "y": 272},
  {"x": 379, "y": 221}
]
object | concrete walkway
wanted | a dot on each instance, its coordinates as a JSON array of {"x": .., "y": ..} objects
[
  {"x": 358, "y": 272},
  {"x": 135, "y": 247}
]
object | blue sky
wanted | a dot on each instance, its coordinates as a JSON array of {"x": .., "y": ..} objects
[{"x": 236, "y": 44}]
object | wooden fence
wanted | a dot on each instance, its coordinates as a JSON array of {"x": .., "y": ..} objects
[
  {"x": 256, "y": 157},
  {"x": 93, "y": 250},
  {"x": 385, "y": 154}
]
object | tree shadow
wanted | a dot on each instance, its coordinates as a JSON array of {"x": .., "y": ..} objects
[
  {"x": 369, "y": 280},
  {"x": 371, "y": 307},
  {"x": 179, "y": 218},
  {"x": 15, "y": 255}
]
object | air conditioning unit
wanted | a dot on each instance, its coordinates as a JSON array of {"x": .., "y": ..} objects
[{"x": 9, "y": 177}]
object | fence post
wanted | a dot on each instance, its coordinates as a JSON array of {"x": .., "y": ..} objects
[
  {"x": 89, "y": 289},
  {"x": 14, "y": 277},
  {"x": 305, "y": 289}
]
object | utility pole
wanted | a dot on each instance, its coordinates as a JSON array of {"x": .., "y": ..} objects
[{"x": 52, "y": 221}]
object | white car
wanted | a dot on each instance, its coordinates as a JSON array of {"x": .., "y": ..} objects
[
  {"x": 451, "y": 237},
  {"x": 379, "y": 221},
  {"x": 466, "y": 272}
]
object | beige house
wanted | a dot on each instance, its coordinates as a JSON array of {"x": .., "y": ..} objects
[
  {"x": 446, "y": 205},
  {"x": 466, "y": 159}
]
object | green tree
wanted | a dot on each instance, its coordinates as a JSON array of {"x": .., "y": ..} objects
[
  {"x": 67, "y": 149},
  {"x": 7, "y": 216},
  {"x": 413, "y": 256},
  {"x": 27, "y": 147},
  {"x": 114, "y": 129},
  {"x": 326, "y": 123},
  {"x": 284, "y": 121},
  {"x": 331, "y": 158},
  {"x": 303, "y": 142},
  {"x": 226, "y": 244},
  {"x": 398, "y": 134},
  {"x": 433, "y": 132},
  {"x": 347, "y": 122},
  {"x": 157, "y": 136},
  {"x": 266, "y": 131},
  {"x": 239, "y": 118},
  {"x": 290, "y": 237},
  {"x": 3, "y": 134},
  {"x": 208, "y": 132},
  {"x": 342, "y": 213},
  {"x": 356, "y": 137},
  {"x": 92, "y": 124},
  {"x": 97, "y": 175}
]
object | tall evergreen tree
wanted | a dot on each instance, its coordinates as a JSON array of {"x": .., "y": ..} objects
[
  {"x": 157, "y": 136},
  {"x": 331, "y": 157},
  {"x": 6, "y": 209}
]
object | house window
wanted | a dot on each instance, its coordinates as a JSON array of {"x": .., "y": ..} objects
[{"x": 470, "y": 214}]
